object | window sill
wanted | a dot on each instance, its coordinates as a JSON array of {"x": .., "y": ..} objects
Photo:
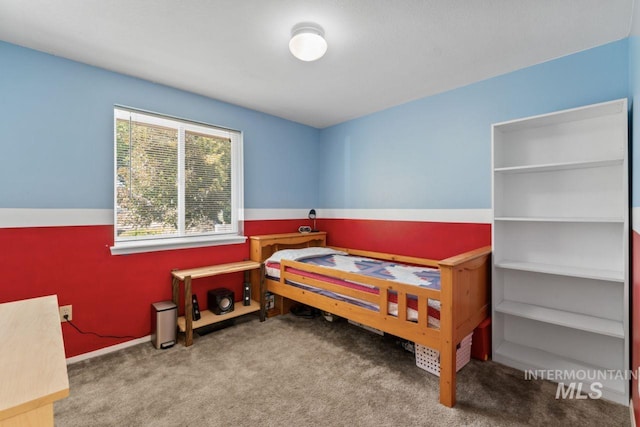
[{"x": 134, "y": 247}]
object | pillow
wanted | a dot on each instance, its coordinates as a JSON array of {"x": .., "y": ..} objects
[{"x": 298, "y": 254}]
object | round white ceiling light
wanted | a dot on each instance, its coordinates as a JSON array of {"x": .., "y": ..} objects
[{"x": 307, "y": 42}]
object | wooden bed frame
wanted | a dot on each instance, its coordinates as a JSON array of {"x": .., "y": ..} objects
[{"x": 464, "y": 297}]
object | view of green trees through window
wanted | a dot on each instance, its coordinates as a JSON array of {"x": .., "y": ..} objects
[
  {"x": 168, "y": 188},
  {"x": 207, "y": 182}
]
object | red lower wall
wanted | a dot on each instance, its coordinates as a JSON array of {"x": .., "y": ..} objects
[
  {"x": 435, "y": 240},
  {"x": 112, "y": 295}
]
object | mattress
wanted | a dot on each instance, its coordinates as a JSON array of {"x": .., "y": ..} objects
[{"x": 418, "y": 276}]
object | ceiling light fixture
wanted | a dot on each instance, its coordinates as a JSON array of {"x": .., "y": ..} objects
[{"x": 307, "y": 42}]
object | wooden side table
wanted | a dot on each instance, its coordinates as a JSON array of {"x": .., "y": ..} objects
[
  {"x": 33, "y": 368},
  {"x": 186, "y": 323}
]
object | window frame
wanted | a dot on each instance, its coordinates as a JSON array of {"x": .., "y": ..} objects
[{"x": 181, "y": 241}]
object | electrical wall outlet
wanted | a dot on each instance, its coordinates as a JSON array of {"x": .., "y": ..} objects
[{"x": 65, "y": 310}]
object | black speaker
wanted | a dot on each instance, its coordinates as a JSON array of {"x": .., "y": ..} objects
[
  {"x": 246, "y": 293},
  {"x": 220, "y": 301},
  {"x": 195, "y": 307}
]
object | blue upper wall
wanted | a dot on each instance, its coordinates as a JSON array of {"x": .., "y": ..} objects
[
  {"x": 435, "y": 152},
  {"x": 56, "y": 118},
  {"x": 57, "y": 134}
]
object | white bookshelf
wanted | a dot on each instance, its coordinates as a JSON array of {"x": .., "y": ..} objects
[{"x": 560, "y": 292}]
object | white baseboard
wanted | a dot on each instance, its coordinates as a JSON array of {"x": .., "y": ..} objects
[
  {"x": 107, "y": 350},
  {"x": 633, "y": 416}
]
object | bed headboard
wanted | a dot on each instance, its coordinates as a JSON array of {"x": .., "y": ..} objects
[{"x": 262, "y": 247}]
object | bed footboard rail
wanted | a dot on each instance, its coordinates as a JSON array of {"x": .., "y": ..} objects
[
  {"x": 419, "y": 331},
  {"x": 467, "y": 278},
  {"x": 464, "y": 303},
  {"x": 391, "y": 257}
]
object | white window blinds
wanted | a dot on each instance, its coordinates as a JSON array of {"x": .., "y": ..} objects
[{"x": 175, "y": 178}]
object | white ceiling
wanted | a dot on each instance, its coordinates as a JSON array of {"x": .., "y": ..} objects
[{"x": 381, "y": 52}]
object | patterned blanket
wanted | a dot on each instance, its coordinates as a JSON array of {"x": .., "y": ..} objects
[{"x": 424, "y": 277}]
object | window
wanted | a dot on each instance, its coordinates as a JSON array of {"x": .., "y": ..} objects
[{"x": 177, "y": 183}]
